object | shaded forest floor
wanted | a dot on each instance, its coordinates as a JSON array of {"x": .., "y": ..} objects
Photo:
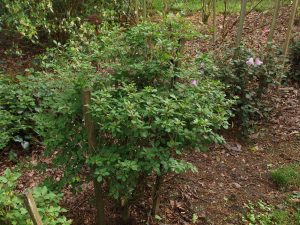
[{"x": 229, "y": 176}]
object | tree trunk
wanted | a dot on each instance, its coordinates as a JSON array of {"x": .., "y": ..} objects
[
  {"x": 241, "y": 23},
  {"x": 99, "y": 202},
  {"x": 290, "y": 27},
  {"x": 156, "y": 195},
  {"x": 274, "y": 20},
  {"x": 137, "y": 11},
  {"x": 145, "y": 9},
  {"x": 90, "y": 127},
  {"x": 125, "y": 212},
  {"x": 214, "y": 21}
]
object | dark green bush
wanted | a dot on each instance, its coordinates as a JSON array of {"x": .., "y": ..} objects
[
  {"x": 150, "y": 126},
  {"x": 247, "y": 78},
  {"x": 148, "y": 108},
  {"x": 17, "y": 107}
]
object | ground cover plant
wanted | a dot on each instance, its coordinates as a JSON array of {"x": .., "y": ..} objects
[
  {"x": 262, "y": 213},
  {"x": 287, "y": 176},
  {"x": 13, "y": 211},
  {"x": 16, "y": 109}
]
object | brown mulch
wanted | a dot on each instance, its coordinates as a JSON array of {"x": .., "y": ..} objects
[{"x": 255, "y": 33}]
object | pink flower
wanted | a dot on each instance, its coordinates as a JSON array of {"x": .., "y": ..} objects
[
  {"x": 266, "y": 30},
  {"x": 194, "y": 82},
  {"x": 258, "y": 62},
  {"x": 250, "y": 62}
]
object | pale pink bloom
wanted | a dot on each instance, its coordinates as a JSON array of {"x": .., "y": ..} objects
[
  {"x": 258, "y": 62},
  {"x": 266, "y": 30},
  {"x": 194, "y": 82},
  {"x": 250, "y": 62},
  {"x": 202, "y": 65}
]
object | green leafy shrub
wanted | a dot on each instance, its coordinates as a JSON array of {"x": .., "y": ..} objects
[
  {"x": 294, "y": 73},
  {"x": 287, "y": 176},
  {"x": 149, "y": 107},
  {"x": 17, "y": 107},
  {"x": 151, "y": 126},
  {"x": 13, "y": 211},
  {"x": 265, "y": 214},
  {"x": 249, "y": 78}
]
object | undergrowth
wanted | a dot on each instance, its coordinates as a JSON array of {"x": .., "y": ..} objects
[
  {"x": 287, "y": 176},
  {"x": 261, "y": 213}
]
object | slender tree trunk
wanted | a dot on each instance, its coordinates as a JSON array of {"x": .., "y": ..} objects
[
  {"x": 99, "y": 202},
  {"x": 137, "y": 11},
  {"x": 214, "y": 21},
  {"x": 125, "y": 211},
  {"x": 90, "y": 127},
  {"x": 274, "y": 20},
  {"x": 156, "y": 195},
  {"x": 224, "y": 18},
  {"x": 145, "y": 9},
  {"x": 290, "y": 27},
  {"x": 241, "y": 23}
]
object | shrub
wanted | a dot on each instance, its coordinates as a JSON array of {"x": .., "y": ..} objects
[
  {"x": 147, "y": 128},
  {"x": 12, "y": 210},
  {"x": 287, "y": 176},
  {"x": 17, "y": 107},
  {"x": 148, "y": 107},
  {"x": 249, "y": 79}
]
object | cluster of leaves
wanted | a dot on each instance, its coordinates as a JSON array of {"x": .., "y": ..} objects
[
  {"x": 16, "y": 109},
  {"x": 13, "y": 211},
  {"x": 146, "y": 109},
  {"x": 248, "y": 82},
  {"x": 265, "y": 214}
]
